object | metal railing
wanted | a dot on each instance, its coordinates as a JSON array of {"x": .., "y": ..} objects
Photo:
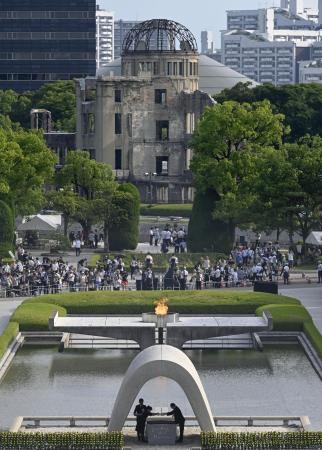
[{"x": 301, "y": 422}]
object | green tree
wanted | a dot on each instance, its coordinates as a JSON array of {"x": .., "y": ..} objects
[
  {"x": 65, "y": 201},
  {"x": 26, "y": 164},
  {"x": 226, "y": 143},
  {"x": 301, "y": 104},
  {"x": 94, "y": 185},
  {"x": 125, "y": 216},
  {"x": 6, "y": 229},
  {"x": 60, "y": 99}
]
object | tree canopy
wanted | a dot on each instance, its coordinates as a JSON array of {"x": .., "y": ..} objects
[
  {"x": 257, "y": 179},
  {"x": 58, "y": 97},
  {"x": 26, "y": 165},
  {"x": 301, "y": 104}
]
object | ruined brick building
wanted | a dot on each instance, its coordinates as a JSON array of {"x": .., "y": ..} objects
[{"x": 140, "y": 117}]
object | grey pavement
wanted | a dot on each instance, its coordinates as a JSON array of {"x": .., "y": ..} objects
[
  {"x": 311, "y": 298},
  {"x": 7, "y": 308}
]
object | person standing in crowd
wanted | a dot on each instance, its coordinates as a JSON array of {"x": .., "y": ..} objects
[
  {"x": 78, "y": 246},
  {"x": 320, "y": 272},
  {"x": 286, "y": 273},
  {"x": 156, "y": 236},
  {"x": 178, "y": 418},
  {"x": 140, "y": 414},
  {"x": 151, "y": 235}
]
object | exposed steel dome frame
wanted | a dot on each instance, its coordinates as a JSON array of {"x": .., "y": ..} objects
[{"x": 166, "y": 35}]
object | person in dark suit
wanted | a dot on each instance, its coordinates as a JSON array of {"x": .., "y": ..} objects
[
  {"x": 178, "y": 418},
  {"x": 140, "y": 414}
]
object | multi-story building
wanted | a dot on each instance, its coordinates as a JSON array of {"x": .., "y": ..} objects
[
  {"x": 207, "y": 43},
  {"x": 104, "y": 37},
  {"x": 258, "y": 58},
  {"x": 145, "y": 107},
  {"x": 121, "y": 29},
  {"x": 310, "y": 71},
  {"x": 43, "y": 41},
  {"x": 291, "y": 26}
]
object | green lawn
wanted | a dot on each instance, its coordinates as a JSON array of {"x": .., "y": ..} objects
[
  {"x": 288, "y": 314},
  {"x": 167, "y": 210}
]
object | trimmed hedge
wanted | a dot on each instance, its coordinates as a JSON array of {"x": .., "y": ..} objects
[
  {"x": 31, "y": 317},
  {"x": 8, "y": 336},
  {"x": 294, "y": 318},
  {"x": 136, "y": 302},
  {"x": 6, "y": 229},
  {"x": 125, "y": 235},
  {"x": 260, "y": 441},
  {"x": 167, "y": 210},
  {"x": 161, "y": 261},
  {"x": 61, "y": 441},
  {"x": 205, "y": 233}
]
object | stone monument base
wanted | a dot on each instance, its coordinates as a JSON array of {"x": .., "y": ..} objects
[{"x": 161, "y": 430}]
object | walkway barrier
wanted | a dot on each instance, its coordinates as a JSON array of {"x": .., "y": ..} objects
[{"x": 21, "y": 422}]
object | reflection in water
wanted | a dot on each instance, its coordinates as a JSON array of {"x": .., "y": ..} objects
[{"x": 85, "y": 382}]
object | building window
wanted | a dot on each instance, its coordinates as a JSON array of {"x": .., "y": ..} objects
[
  {"x": 169, "y": 68},
  {"x": 118, "y": 159},
  {"x": 118, "y": 123},
  {"x": 162, "y": 165},
  {"x": 90, "y": 125},
  {"x": 160, "y": 96},
  {"x": 118, "y": 96},
  {"x": 155, "y": 68},
  {"x": 191, "y": 68},
  {"x": 129, "y": 124},
  {"x": 181, "y": 68},
  {"x": 175, "y": 68},
  {"x": 190, "y": 123},
  {"x": 162, "y": 130}
]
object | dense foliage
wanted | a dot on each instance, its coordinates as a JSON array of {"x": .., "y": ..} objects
[
  {"x": 61, "y": 441},
  {"x": 301, "y": 104},
  {"x": 26, "y": 164},
  {"x": 6, "y": 229},
  {"x": 207, "y": 233},
  {"x": 124, "y": 228},
  {"x": 260, "y": 441},
  {"x": 58, "y": 97},
  {"x": 257, "y": 181}
]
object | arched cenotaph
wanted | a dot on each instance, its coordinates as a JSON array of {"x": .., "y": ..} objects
[{"x": 162, "y": 361}]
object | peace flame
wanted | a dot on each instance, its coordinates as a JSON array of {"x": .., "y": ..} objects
[{"x": 161, "y": 307}]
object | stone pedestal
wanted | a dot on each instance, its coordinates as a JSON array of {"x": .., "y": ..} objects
[{"x": 161, "y": 431}]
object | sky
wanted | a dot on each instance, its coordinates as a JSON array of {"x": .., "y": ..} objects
[{"x": 201, "y": 15}]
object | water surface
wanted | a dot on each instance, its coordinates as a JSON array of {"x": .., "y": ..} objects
[{"x": 279, "y": 381}]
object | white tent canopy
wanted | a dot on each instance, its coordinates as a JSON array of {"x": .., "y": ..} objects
[
  {"x": 41, "y": 223},
  {"x": 314, "y": 238}
]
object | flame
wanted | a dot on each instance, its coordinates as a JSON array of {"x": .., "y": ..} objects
[{"x": 161, "y": 307}]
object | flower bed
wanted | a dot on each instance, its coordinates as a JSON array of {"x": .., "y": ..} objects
[
  {"x": 61, "y": 441},
  {"x": 259, "y": 441}
]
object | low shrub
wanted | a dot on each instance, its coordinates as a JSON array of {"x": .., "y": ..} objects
[
  {"x": 34, "y": 317},
  {"x": 61, "y": 441},
  {"x": 8, "y": 336},
  {"x": 287, "y": 317},
  {"x": 167, "y": 210},
  {"x": 161, "y": 261},
  {"x": 136, "y": 302},
  {"x": 260, "y": 441},
  {"x": 294, "y": 318}
]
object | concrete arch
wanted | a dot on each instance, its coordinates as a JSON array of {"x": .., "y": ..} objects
[{"x": 169, "y": 362}]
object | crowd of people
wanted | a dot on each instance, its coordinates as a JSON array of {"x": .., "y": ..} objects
[
  {"x": 29, "y": 275},
  {"x": 175, "y": 237}
]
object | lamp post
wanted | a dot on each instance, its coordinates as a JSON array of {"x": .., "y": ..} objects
[{"x": 150, "y": 175}]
